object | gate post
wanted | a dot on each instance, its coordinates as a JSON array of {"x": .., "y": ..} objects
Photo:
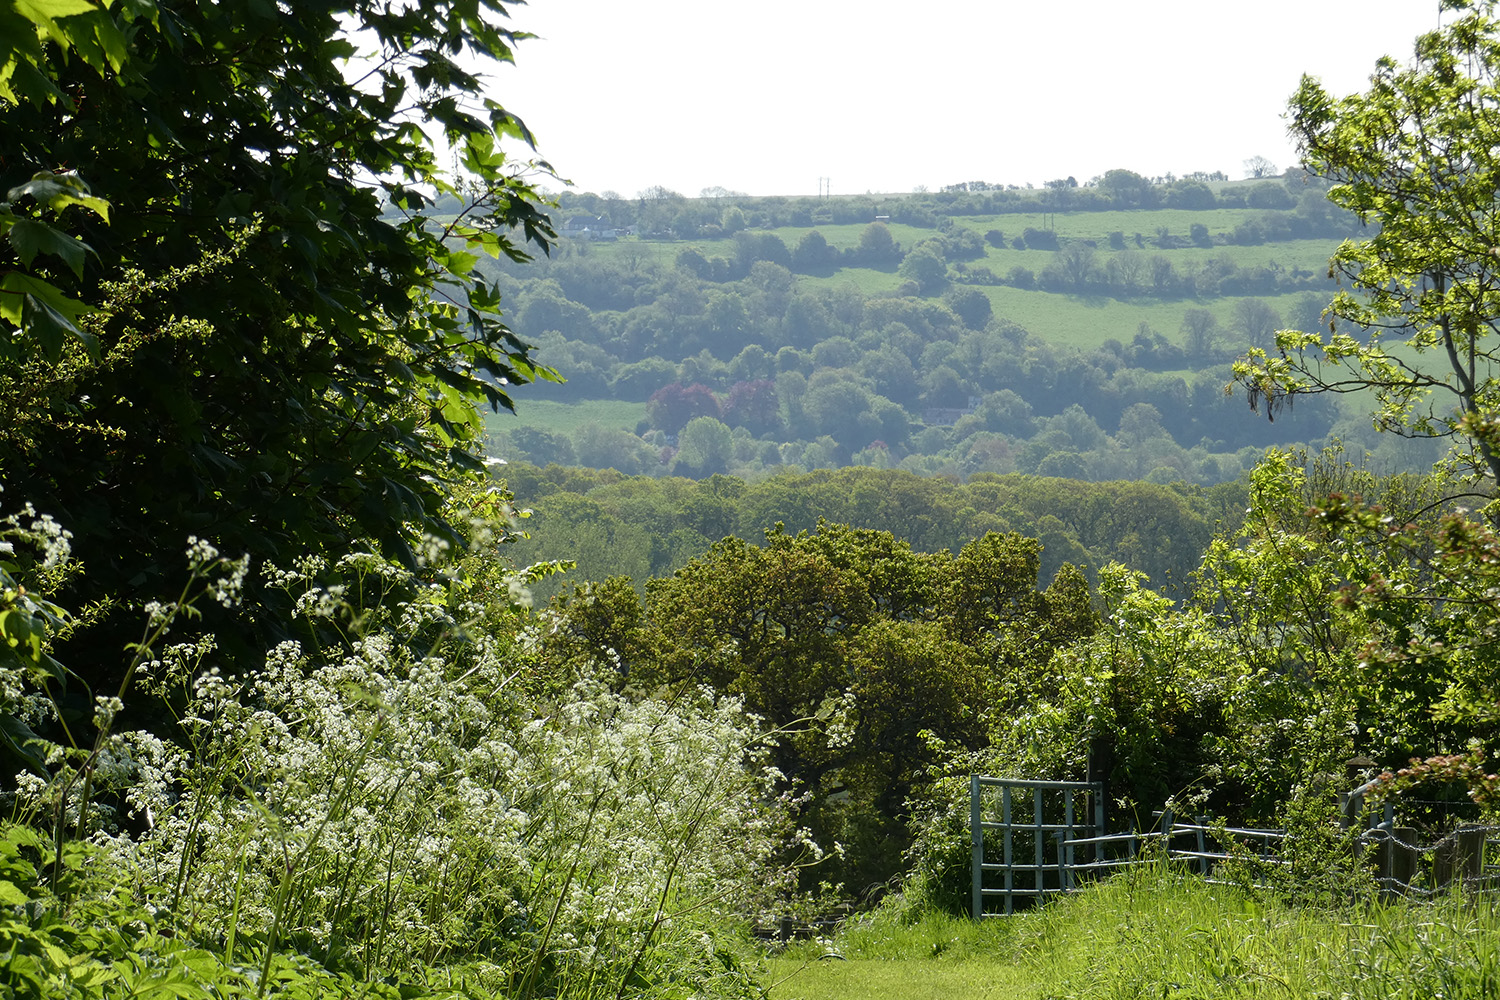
[{"x": 976, "y": 835}]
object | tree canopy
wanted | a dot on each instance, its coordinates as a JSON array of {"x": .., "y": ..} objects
[
  {"x": 238, "y": 319},
  {"x": 1415, "y": 158},
  {"x": 864, "y": 656}
]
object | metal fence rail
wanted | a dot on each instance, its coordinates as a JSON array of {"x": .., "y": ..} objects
[{"x": 1050, "y": 837}]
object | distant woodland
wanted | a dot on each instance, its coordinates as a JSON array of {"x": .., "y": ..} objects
[
  {"x": 1082, "y": 331},
  {"x": 641, "y": 527}
]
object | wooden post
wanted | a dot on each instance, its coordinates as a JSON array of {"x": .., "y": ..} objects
[
  {"x": 1398, "y": 861},
  {"x": 1460, "y": 856}
]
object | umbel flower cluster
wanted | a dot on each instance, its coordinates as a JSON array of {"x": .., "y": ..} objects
[{"x": 383, "y": 804}]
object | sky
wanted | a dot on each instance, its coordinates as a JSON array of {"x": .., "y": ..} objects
[{"x": 790, "y": 97}]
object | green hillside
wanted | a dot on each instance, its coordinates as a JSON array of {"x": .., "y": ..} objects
[{"x": 1076, "y": 331}]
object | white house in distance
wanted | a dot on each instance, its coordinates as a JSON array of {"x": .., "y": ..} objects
[{"x": 588, "y": 227}]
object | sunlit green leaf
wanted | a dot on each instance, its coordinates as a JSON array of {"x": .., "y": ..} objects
[
  {"x": 39, "y": 11},
  {"x": 58, "y": 191}
]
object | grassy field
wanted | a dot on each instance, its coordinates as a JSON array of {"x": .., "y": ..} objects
[
  {"x": 870, "y": 282},
  {"x": 567, "y": 417},
  {"x": 1098, "y": 225},
  {"x": 1158, "y": 934},
  {"x": 848, "y": 236},
  {"x": 1088, "y": 321},
  {"x": 654, "y": 253},
  {"x": 879, "y": 979},
  {"x": 1083, "y": 321},
  {"x": 1309, "y": 255}
]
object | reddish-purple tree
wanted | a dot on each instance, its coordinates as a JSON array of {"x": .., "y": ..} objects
[
  {"x": 754, "y": 406},
  {"x": 671, "y": 407}
]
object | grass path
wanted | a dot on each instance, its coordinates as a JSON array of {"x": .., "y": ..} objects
[{"x": 876, "y": 979}]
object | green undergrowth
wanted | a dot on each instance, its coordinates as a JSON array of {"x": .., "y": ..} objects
[
  {"x": 83, "y": 934},
  {"x": 1157, "y": 934}
]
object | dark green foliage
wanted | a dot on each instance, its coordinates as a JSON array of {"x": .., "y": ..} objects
[
  {"x": 926, "y": 266},
  {"x": 1128, "y": 189},
  {"x": 970, "y": 305},
  {"x": 1190, "y": 194},
  {"x": 867, "y": 658},
  {"x": 910, "y": 361},
  {"x": 813, "y": 255},
  {"x": 642, "y": 527},
  {"x": 1039, "y": 239},
  {"x": 289, "y": 354},
  {"x": 672, "y": 407},
  {"x": 1269, "y": 195}
]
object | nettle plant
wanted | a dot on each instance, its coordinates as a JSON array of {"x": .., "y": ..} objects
[{"x": 384, "y": 804}]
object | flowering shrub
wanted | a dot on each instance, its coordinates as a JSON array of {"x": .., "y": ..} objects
[
  {"x": 36, "y": 543},
  {"x": 386, "y": 807},
  {"x": 399, "y": 798}
]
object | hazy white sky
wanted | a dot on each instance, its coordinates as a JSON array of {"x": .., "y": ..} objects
[{"x": 769, "y": 97}]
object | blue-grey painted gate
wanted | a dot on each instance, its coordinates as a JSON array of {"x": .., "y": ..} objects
[{"x": 1037, "y": 850}]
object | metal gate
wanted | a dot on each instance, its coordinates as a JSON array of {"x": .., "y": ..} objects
[
  {"x": 1036, "y": 834},
  {"x": 1029, "y": 839}
]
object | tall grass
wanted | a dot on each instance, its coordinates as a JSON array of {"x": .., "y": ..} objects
[{"x": 1157, "y": 932}]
